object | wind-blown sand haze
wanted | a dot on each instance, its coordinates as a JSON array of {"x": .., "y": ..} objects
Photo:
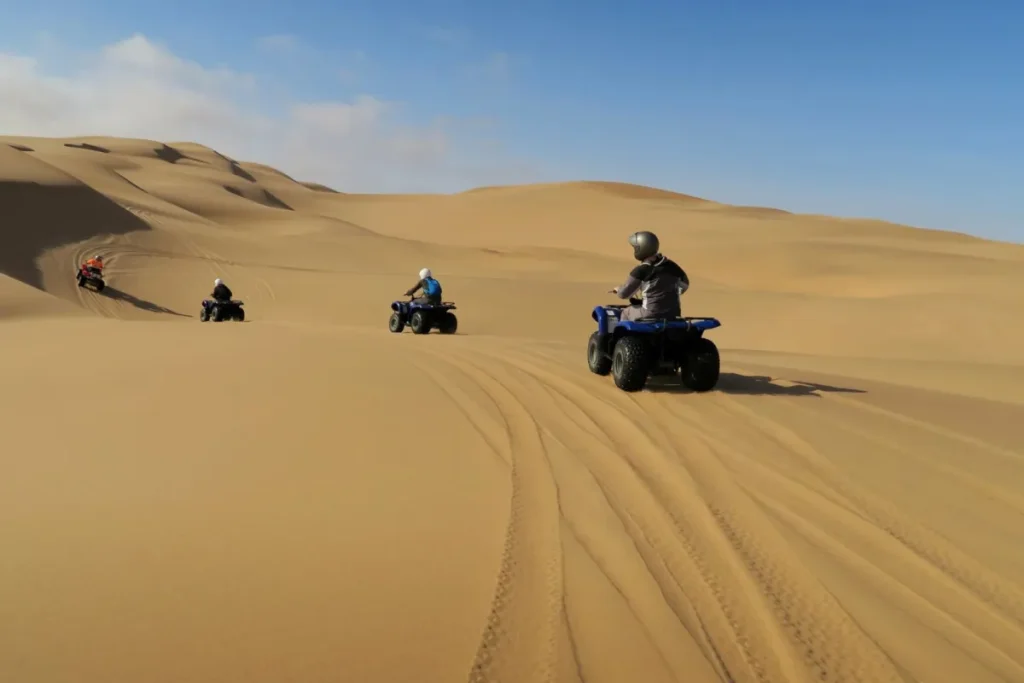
[{"x": 305, "y": 496}]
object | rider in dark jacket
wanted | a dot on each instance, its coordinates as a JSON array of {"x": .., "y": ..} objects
[
  {"x": 659, "y": 280},
  {"x": 221, "y": 292}
]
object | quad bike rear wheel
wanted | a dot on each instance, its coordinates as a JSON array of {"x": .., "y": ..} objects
[
  {"x": 449, "y": 324},
  {"x": 702, "y": 367}
]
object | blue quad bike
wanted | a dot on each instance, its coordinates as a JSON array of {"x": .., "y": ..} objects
[
  {"x": 219, "y": 311},
  {"x": 634, "y": 350},
  {"x": 422, "y": 318}
]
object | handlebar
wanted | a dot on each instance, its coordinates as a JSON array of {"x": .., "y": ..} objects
[{"x": 632, "y": 302}]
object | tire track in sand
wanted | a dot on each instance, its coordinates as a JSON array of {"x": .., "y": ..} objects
[
  {"x": 822, "y": 635},
  {"x": 694, "y": 507},
  {"x": 199, "y": 252},
  {"x": 983, "y": 486},
  {"x": 111, "y": 249},
  {"x": 672, "y": 562},
  {"x": 812, "y": 636},
  {"x": 983, "y": 602},
  {"x": 972, "y": 607},
  {"x": 923, "y": 542},
  {"x": 525, "y": 631},
  {"x": 470, "y": 410},
  {"x": 708, "y": 606},
  {"x": 223, "y": 263}
]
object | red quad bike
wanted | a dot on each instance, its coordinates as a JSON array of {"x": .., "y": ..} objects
[{"x": 87, "y": 275}]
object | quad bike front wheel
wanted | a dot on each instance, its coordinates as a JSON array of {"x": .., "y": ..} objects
[
  {"x": 599, "y": 363},
  {"x": 420, "y": 323},
  {"x": 240, "y": 315},
  {"x": 204, "y": 315},
  {"x": 395, "y": 323},
  {"x": 629, "y": 364}
]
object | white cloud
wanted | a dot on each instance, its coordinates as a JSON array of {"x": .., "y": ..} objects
[
  {"x": 136, "y": 88},
  {"x": 129, "y": 88},
  {"x": 339, "y": 120}
]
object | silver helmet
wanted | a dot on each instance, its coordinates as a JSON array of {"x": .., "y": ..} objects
[{"x": 645, "y": 245}]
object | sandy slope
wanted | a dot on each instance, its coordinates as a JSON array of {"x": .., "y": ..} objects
[{"x": 306, "y": 497}]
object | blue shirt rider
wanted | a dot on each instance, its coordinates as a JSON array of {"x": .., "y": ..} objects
[{"x": 431, "y": 289}]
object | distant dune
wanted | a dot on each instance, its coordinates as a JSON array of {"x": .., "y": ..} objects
[{"x": 307, "y": 497}]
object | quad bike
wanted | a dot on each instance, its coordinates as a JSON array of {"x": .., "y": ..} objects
[
  {"x": 88, "y": 275},
  {"x": 634, "y": 350},
  {"x": 218, "y": 311},
  {"x": 422, "y": 317}
]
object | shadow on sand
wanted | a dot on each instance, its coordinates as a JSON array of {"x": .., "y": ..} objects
[
  {"x": 87, "y": 146},
  {"x": 39, "y": 216},
  {"x": 270, "y": 198},
  {"x": 753, "y": 385},
  {"x": 141, "y": 304}
]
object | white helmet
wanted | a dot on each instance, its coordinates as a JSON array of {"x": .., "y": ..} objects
[
  {"x": 217, "y": 282},
  {"x": 425, "y": 273}
]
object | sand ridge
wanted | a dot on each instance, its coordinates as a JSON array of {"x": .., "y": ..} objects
[{"x": 305, "y": 496}]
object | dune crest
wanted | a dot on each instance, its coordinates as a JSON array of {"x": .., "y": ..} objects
[{"x": 306, "y": 496}]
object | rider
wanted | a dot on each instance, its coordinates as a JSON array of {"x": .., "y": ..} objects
[
  {"x": 431, "y": 289},
  {"x": 659, "y": 279},
  {"x": 221, "y": 292},
  {"x": 95, "y": 263}
]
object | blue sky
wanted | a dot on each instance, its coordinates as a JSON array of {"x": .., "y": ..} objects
[{"x": 907, "y": 111}]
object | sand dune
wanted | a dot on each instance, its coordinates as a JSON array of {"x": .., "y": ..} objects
[{"x": 307, "y": 497}]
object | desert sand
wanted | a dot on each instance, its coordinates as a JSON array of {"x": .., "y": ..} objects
[{"x": 307, "y": 497}]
